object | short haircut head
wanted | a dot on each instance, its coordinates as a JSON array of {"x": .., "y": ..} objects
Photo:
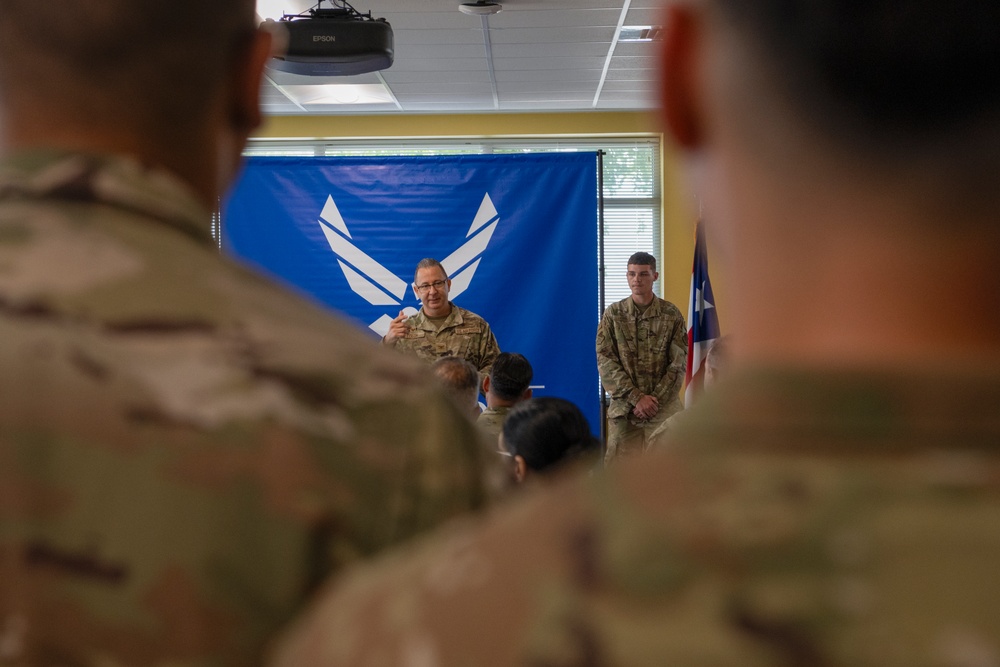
[
  {"x": 643, "y": 259},
  {"x": 510, "y": 376},
  {"x": 460, "y": 378},
  {"x": 909, "y": 84},
  {"x": 547, "y": 433},
  {"x": 428, "y": 263},
  {"x": 159, "y": 62}
]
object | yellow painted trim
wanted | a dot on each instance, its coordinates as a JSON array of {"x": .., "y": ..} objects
[{"x": 458, "y": 125}]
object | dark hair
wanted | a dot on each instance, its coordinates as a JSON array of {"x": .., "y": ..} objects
[
  {"x": 428, "y": 263},
  {"x": 643, "y": 258},
  {"x": 459, "y": 377},
  {"x": 548, "y": 432},
  {"x": 510, "y": 376},
  {"x": 158, "y": 62},
  {"x": 886, "y": 69}
]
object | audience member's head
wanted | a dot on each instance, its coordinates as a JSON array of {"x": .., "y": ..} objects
[
  {"x": 509, "y": 380},
  {"x": 642, "y": 258},
  {"x": 543, "y": 434},
  {"x": 174, "y": 84},
  {"x": 461, "y": 380}
]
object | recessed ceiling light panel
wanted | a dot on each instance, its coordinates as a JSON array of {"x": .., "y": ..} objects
[{"x": 640, "y": 33}]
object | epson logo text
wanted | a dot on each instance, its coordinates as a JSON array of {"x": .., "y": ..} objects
[{"x": 324, "y": 38}]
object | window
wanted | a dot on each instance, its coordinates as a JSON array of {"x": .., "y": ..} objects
[{"x": 631, "y": 172}]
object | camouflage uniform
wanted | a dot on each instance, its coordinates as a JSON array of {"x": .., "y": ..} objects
[
  {"x": 461, "y": 334},
  {"x": 846, "y": 519},
  {"x": 185, "y": 448},
  {"x": 491, "y": 421},
  {"x": 640, "y": 352}
]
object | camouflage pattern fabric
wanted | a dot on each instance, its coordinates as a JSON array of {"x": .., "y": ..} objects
[
  {"x": 461, "y": 334},
  {"x": 185, "y": 448},
  {"x": 491, "y": 420},
  {"x": 640, "y": 353},
  {"x": 798, "y": 519}
]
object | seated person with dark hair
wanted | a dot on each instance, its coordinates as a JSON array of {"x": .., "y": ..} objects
[
  {"x": 544, "y": 434},
  {"x": 506, "y": 385}
]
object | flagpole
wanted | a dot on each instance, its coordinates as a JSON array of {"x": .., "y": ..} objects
[{"x": 600, "y": 285}]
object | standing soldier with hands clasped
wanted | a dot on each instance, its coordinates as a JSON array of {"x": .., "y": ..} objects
[{"x": 641, "y": 356}]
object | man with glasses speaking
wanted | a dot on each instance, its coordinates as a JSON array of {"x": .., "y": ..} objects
[{"x": 441, "y": 328}]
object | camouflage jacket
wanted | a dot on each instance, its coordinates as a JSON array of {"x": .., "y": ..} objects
[
  {"x": 846, "y": 519},
  {"x": 491, "y": 421},
  {"x": 642, "y": 353},
  {"x": 462, "y": 334},
  {"x": 185, "y": 448}
]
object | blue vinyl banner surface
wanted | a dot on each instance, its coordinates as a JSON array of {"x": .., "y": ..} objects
[{"x": 517, "y": 234}]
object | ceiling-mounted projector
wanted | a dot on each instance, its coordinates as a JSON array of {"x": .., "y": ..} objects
[
  {"x": 334, "y": 42},
  {"x": 480, "y": 8}
]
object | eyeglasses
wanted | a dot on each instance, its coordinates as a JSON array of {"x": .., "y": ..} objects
[{"x": 437, "y": 284}]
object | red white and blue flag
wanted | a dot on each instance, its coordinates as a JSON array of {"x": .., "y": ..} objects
[{"x": 703, "y": 320}]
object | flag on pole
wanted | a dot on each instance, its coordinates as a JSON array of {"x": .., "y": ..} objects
[{"x": 703, "y": 320}]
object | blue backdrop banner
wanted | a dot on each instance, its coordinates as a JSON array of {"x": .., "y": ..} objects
[{"x": 516, "y": 233}]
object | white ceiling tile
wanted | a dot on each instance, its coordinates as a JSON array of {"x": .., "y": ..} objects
[
  {"x": 433, "y": 77},
  {"x": 633, "y": 75},
  {"x": 451, "y": 89},
  {"x": 552, "y": 64},
  {"x": 644, "y": 16},
  {"x": 403, "y": 37},
  {"x": 547, "y": 50},
  {"x": 552, "y": 35},
  {"x": 638, "y": 62},
  {"x": 440, "y": 65},
  {"x": 439, "y": 51},
  {"x": 550, "y": 75},
  {"x": 545, "y": 106},
  {"x": 540, "y": 89},
  {"x": 636, "y": 50},
  {"x": 556, "y": 19},
  {"x": 547, "y": 55}
]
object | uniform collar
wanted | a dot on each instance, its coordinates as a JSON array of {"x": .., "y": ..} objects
[
  {"x": 115, "y": 181},
  {"x": 652, "y": 309},
  {"x": 422, "y": 321}
]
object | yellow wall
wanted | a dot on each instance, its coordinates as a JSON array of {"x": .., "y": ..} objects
[{"x": 677, "y": 223}]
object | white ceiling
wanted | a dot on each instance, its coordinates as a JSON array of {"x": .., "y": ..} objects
[{"x": 547, "y": 55}]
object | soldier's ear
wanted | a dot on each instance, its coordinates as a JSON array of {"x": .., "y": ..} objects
[
  {"x": 527, "y": 394},
  {"x": 520, "y": 469},
  {"x": 681, "y": 94},
  {"x": 486, "y": 384}
]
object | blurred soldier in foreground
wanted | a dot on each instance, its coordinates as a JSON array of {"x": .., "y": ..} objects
[
  {"x": 641, "y": 356},
  {"x": 185, "y": 449},
  {"x": 835, "y": 499}
]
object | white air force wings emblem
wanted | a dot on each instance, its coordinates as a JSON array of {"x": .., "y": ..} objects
[{"x": 379, "y": 286}]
